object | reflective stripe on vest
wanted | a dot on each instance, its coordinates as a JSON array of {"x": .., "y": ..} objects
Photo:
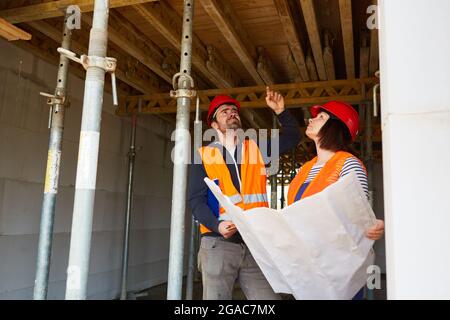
[
  {"x": 253, "y": 183},
  {"x": 253, "y": 198}
]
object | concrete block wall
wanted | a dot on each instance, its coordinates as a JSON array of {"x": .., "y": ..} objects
[{"x": 23, "y": 153}]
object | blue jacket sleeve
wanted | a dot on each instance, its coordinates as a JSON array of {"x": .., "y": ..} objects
[
  {"x": 289, "y": 137},
  {"x": 197, "y": 198}
]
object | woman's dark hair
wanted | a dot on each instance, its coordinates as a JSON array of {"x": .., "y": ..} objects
[{"x": 335, "y": 136}]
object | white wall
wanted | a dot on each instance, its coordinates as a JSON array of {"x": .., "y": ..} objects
[
  {"x": 415, "y": 81},
  {"x": 23, "y": 149}
]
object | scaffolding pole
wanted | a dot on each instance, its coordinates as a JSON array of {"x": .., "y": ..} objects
[
  {"x": 126, "y": 237},
  {"x": 183, "y": 92},
  {"x": 80, "y": 243},
  {"x": 273, "y": 178},
  {"x": 198, "y": 132},
  {"x": 369, "y": 168},
  {"x": 57, "y": 103},
  {"x": 191, "y": 262}
]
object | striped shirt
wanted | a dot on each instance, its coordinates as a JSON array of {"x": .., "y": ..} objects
[{"x": 351, "y": 164}]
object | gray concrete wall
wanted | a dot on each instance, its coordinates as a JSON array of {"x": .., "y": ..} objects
[{"x": 23, "y": 153}]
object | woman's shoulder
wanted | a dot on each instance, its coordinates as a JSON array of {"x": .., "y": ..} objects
[{"x": 352, "y": 163}]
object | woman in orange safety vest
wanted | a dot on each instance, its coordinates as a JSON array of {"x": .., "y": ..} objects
[{"x": 333, "y": 127}]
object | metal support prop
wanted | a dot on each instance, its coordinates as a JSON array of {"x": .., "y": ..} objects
[
  {"x": 130, "y": 180},
  {"x": 183, "y": 93},
  {"x": 369, "y": 167},
  {"x": 273, "y": 178},
  {"x": 282, "y": 185},
  {"x": 58, "y": 103},
  {"x": 192, "y": 252},
  {"x": 192, "y": 261},
  {"x": 80, "y": 242}
]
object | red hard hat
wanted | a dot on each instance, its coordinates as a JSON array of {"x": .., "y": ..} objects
[
  {"x": 345, "y": 112},
  {"x": 217, "y": 102}
]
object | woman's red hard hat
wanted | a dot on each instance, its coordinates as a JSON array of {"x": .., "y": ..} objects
[{"x": 343, "y": 111}]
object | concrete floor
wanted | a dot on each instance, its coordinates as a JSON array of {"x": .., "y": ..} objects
[{"x": 160, "y": 292}]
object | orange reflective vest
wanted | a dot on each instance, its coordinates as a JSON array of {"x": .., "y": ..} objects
[
  {"x": 253, "y": 192},
  {"x": 328, "y": 175}
]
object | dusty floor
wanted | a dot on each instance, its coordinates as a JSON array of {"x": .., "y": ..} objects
[{"x": 160, "y": 292}]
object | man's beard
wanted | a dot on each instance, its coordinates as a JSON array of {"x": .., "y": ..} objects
[{"x": 234, "y": 124}]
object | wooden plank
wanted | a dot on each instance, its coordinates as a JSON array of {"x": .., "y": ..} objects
[
  {"x": 223, "y": 75},
  {"x": 166, "y": 21},
  {"x": 11, "y": 32},
  {"x": 314, "y": 36},
  {"x": 53, "y": 9},
  {"x": 353, "y": 83},
  {"x": 292, "y": 37},
  {"x": 264, "y": 67},
  {"x": 345, "y": 8},
  {"x": 224, "y": 18},
  {"x": 364, "y": 62},
  {"x": 374, "y": 59},
  {"x": 364, "y": 56},
  {"x": 56, "y": 35},
  {"x": 250, "y": 97},
  {"x": 119, "y": 38},
  {"x": 311, "y": 68},
  {"x": 328, "y": 58},
  {"x": 52, "y": 57},
  {"x": 292, "y": 103}
]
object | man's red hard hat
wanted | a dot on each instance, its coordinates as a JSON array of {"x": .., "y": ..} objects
[{"x": 219, "y": 101}]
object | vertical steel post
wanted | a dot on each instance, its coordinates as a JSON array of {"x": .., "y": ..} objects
[
  {"x": 191, "y": 263},
  {"x": 182, "y": 139},
  {"x": 192, "y": 252},
  {"x": 273, "y": 178},
  {"x": 80, "y": 242},
  {"x": 282, "y": 184},
  {"x": 369, "y": 167},
  {"x": 52, "y": 172},
  {"x": 130, "y": 180}
]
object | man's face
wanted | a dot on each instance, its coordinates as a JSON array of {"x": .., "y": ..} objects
[{"x": 227, "y": 117}]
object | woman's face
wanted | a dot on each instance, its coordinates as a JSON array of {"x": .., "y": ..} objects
[{"x": 316, "y": 124}]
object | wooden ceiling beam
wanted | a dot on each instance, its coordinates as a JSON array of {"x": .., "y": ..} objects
[
  {"x": 345, "y": 9},
  {"x": 223, "y": 16},
  {"x": 207, "y": 61},
  {"x": 131, "y": 41},
  {"x": 374, "y": 59},
  {"x": 364, "y": 57},
  {"x": 297, "y": 94},
  {"x": 134, "y": 81},
  {"x": 11, "y": 32},
  {"x": 292, "y": 37},
  {"x": 311, "y": 67},
  {"x": 166, "y": 21},
  {"x": 328, "y": 57},
  {"x": 314, "y": 36},
  {"x": 53, "y": 9}
]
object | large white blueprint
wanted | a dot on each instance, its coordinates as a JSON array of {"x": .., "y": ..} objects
[{"x": 315, "y": 248}]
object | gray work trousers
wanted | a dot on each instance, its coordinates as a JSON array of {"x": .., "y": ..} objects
[{"x": 222, "y": 263}]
